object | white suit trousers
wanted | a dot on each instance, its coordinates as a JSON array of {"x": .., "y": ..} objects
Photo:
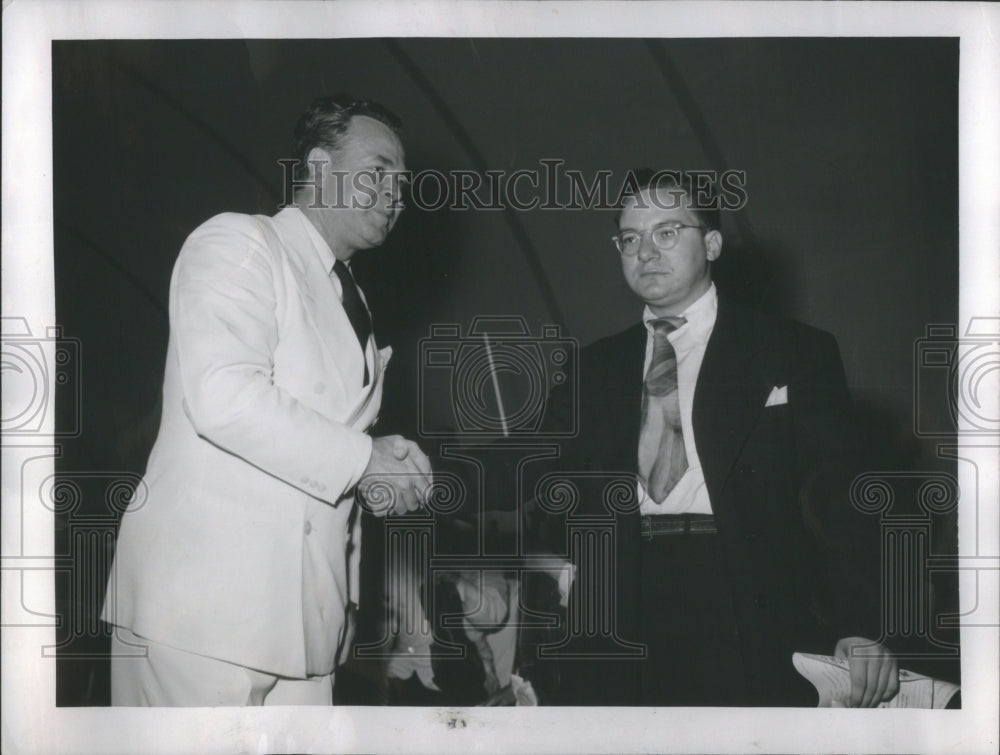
[{"x": 145, "y": 673}]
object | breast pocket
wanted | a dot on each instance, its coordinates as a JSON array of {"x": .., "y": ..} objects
[{"x": 764, "y": 473}]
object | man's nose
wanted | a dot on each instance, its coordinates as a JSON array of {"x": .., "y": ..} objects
[
  {"x": 647, "y": 250},
  {"x": 393, "y": 193}
]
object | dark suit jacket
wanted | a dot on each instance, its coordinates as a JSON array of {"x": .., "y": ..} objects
[{"x": 802, "y": 562}]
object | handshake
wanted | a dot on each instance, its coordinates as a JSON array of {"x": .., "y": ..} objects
[{"x": 398, "y": 478}]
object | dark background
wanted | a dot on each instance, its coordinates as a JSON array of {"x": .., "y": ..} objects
[{"x": 849, "y": 146}]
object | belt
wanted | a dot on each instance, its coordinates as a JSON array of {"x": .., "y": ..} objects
[{"x": 651, "y": 526}]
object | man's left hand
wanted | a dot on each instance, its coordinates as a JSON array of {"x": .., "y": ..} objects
[{"x": 874, "y": 671}]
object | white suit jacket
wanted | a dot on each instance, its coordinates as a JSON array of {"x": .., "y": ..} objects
[{"x": 261, "y": 441}]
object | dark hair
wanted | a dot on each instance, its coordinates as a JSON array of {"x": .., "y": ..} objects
[
  {"x": 703, "y": 199},
  {"x": 326, "y": 120}
]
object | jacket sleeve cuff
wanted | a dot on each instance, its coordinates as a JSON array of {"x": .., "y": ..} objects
[{"x": 361, "y": 454}]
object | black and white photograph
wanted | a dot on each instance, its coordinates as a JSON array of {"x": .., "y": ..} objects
[{"x": 369, "y": 368}]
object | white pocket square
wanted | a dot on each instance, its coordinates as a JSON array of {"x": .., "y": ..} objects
[{"x": 778, "y": 396}]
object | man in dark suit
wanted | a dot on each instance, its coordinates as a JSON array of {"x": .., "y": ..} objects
[{"x": 742, "y": 546}]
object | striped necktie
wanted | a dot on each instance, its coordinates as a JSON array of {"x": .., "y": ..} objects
[{"x": 662, "y": 459}]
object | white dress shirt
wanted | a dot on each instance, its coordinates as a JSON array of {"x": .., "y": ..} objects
[{"x": 689, "y": 496}]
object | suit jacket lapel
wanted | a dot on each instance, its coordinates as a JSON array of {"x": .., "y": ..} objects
[
  {"x": 319, "y": 296},
  {"x": 730, "y": 394}
]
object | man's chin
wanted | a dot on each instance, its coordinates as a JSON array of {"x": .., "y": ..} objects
[
  {"x": 376, "y": 236},
  {"x": 380, "y": 228},
  {"x": 655, "y": 294}
]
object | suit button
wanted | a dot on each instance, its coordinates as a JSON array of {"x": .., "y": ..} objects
[{"x": 308, "y": 528}]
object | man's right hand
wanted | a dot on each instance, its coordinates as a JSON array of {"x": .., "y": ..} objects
[{"x": 397, "y": 478}]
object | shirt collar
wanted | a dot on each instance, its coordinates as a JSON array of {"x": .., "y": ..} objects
[{"x": 698, "y": 314}]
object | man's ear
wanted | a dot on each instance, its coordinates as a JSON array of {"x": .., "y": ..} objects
[{"x": 713, "y": 245}]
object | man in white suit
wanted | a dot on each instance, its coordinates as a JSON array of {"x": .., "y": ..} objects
[{"x": 237, "y": 560}]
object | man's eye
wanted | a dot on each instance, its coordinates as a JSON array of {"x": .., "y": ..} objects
[
  {"x": 629, "y": 238},
  {"x": 664, "y": 235}
]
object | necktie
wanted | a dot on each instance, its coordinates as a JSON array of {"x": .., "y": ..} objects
[
  {"x": 662, "y": 459},
  {"x": 356, "y": 310}
]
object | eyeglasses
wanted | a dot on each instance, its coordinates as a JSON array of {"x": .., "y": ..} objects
[{"x": 664, "y": 238}]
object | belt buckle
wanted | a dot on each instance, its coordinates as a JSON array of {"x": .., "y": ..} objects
[
  {"x": 645, "y": 527},
  {"x": 653, "y": 525}
]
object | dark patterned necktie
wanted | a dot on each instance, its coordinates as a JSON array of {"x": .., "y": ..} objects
[
  {"x": 355, "y": 308},
  {"x": 662, "y": 459}
]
